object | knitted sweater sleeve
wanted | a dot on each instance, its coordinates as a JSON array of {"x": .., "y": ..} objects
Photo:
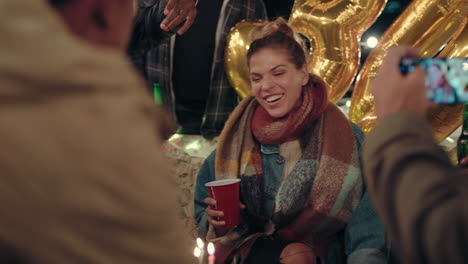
[{"x": 420, "y": 195}]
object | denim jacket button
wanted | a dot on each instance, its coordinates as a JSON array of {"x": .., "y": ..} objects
[{"x": 280, "y": 161}]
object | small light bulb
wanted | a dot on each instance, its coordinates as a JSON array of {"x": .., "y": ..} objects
[{"x": 372, "y": 42}]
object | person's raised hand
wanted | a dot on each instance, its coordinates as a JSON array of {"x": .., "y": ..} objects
[
  {"x": 178, "y": 11},
  {"x": 394, "y": 92}
]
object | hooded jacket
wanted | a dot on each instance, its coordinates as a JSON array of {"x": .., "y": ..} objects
[{"x": 82, "y": 177}]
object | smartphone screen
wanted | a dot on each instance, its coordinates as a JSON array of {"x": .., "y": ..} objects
[{"x": 446, "y": 78}]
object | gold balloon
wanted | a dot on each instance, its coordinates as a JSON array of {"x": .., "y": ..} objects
[
  {"x": 235, "y": 55},
  {"x": 334, "y": 28},
  {"x": 431, "y": 26},
  {"x": 458, "y": 46}
]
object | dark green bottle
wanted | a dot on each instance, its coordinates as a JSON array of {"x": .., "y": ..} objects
[
  {"x": 157, "y": 94},
  {"x": 462, "y": 144}
]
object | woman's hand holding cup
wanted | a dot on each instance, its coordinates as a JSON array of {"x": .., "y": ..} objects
[{"x": 213, "y": 215}]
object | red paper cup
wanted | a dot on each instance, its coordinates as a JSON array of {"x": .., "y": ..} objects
[{"x": 226, "y": 194}]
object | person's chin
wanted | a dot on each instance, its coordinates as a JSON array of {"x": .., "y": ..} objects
[{"x": 277, "y": 114}]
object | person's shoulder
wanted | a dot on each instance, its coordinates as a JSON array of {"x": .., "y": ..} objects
[
  {"x": 206, "y": 171},
  {"x": 212, "y": 156}
]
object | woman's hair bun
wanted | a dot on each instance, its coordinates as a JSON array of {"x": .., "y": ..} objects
[
  {"x": 278, "y": 34},
  {"x": 278, "y": 25}
]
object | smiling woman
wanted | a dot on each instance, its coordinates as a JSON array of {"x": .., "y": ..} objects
[
  {"x": 298, "y": 159},
  {"x": 276, "y": 82},
  {"x": 278, "y": 68}
]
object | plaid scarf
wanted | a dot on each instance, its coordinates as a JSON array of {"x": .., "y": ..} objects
[{"x": 317, "y": 198}]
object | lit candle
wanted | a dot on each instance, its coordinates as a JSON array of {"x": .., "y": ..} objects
[
  {"x": 200, "y": 244},
  {"x": 211, "y": 252},
  {"x": 199, "y": 251}
]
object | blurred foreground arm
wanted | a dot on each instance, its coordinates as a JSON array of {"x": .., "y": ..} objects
[{"x": 420, "y": 195}]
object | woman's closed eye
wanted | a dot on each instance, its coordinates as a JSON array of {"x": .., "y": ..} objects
[
  {"x": 278, "y": 73},
  {"x": 255, "y": 78}
]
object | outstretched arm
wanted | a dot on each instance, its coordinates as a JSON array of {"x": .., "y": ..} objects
[{"x": 418, "y": 192}]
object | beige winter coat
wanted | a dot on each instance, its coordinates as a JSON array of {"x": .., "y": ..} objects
[{"x": 82, "y": 179}]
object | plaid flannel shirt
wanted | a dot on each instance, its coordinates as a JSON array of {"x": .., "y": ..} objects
[{"x": 156, "y": 65}]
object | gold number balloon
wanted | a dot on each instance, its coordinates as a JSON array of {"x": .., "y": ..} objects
[
  {"x": 334, "y": 28},
  {"x": 430, "y": 25},
  {"x": 236, "y": 56}
]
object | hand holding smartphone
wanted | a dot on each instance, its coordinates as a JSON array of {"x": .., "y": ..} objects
[{"x": 446, "y": 78}]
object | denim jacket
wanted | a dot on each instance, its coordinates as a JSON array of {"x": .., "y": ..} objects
[{"x": 362, "y": 240}]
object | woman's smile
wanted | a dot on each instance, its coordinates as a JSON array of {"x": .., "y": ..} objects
[{"x": 273, "y": 99}]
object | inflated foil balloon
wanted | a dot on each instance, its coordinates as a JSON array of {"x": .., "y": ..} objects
[
  {"x": 431, "y": 25},
  {"x": 334, "y": 28},
  {"x": 235, "y": 57}
]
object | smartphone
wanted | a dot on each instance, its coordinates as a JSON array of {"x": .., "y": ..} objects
[{"x": 446, "y": 78}]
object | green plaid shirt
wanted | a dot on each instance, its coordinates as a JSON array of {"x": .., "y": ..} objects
[{"x": 156, "y": 65}]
